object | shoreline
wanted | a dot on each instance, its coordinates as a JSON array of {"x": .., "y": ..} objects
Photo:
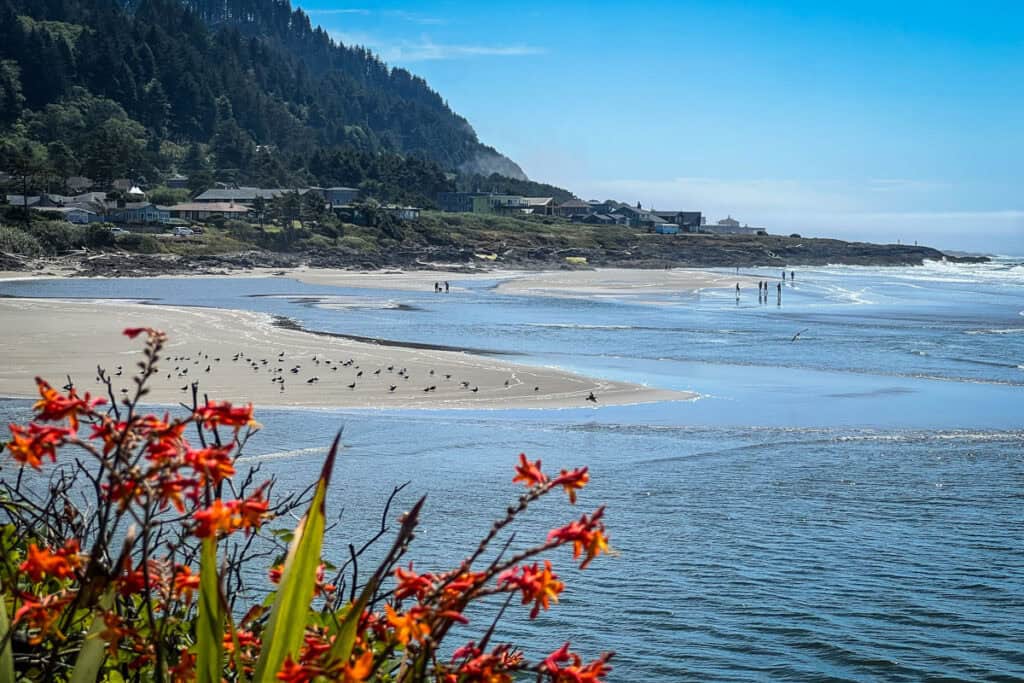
[{"x": 45, "y": 337}]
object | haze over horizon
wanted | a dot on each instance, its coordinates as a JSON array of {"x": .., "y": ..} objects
[{"x": 884, "y": 121}]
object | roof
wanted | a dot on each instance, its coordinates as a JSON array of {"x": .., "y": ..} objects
[
  {"x": 574, "y": 204},
  {"x": 135, "y": 205},
  {"x": 539, "y": 201},
  {"x": 213, "y": 207},
  {"x": 63, "y": 209},
  {"x": 240, "y": 194}
]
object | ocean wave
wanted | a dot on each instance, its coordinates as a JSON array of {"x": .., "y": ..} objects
[
  {"x": 581, "y": 326},
  {"x": 997, "y": 330}
]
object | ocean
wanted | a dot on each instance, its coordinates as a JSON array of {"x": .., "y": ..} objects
[{"x": 847, "y": 505}]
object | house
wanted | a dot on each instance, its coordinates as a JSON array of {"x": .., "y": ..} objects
[
  {"x": 241, "y": 195},
  {"x": 138, "y": 213},
  {"x": 666, "y": 229},
  {"x": 503, "y": 204},
  {"x": 72, "y": 214},
  {"x": 176, "y": 182},
  {"x": 201, "y": 211},
  {"x": 731, "y": 226},
  {"x": 599, "y": 219},
  {"x": 688, "y": 221},
  {"x": 572, "y": 207},
  {"x": 543, "y": 206},
  {"x": 402, "y": 213},
  {"x": 77, "y": 184},
  {"x": 637, "y": 217},
  {"x": 457, "y": 202},
  {"x": 338, "y": 196}
]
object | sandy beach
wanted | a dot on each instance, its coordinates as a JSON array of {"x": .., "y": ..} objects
[
  {"x": 619, "y": 282},
  {"x": 56, "y": 338}
]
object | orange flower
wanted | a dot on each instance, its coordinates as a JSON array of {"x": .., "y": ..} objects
[
  {"x": 587, "y": 536},
  {"x": 133, "y": 332},
  {"x": 223, "y": 517},
  {"x": 115, "y": 631},
  {"x": 292, "y": 672},
  {"x": 173, "y": 491},
  {"x": 185, "y": 583},
  {"x": 215, "y": 519},
  {"x": 576, "y": 671},
  {"x": 58, "y": 565},
  {"x": 411, "y": 583},
  {"x": 539, "y": 586},
  {"x": 35, "y": 443},
  {"x": 214, "y": 464},
  {"x": 217, "y": 413},
  {"x": 41, "y": 615},
  {"x": 359, "y": 670},
  {"x": 529, "y": 472},
  {"x": 572, "y": 481},
  {"x": 408, "y": 626},
  {"x": 54, "y": 406},
  {"x": 184, "y": 670}
]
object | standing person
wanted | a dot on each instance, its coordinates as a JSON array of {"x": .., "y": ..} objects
[
  {"x": 779, "y": 287},
  {"x": 792, "y": 275},
  {"x": 445, "y": 286}
]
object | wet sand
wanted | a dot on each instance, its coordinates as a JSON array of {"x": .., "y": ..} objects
[{"x": 55, "y": 338}]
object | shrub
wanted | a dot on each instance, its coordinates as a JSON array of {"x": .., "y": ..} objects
[
  {"x": 98, "y": 236},
  {"x": 14, "y": 241},
  {"x": 143, "y": 244},
  {"x": 142, "y": 583},
  {"x": 57, "y": 237}
]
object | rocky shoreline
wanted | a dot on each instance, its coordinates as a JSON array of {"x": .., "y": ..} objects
[{"x": 648, "y": 251}]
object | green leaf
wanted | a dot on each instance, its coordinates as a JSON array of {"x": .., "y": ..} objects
[
  {"x": 94, "y": 649},
  {"x": 287, "y": 623},
  {"x": 210, "y": 620},
  {"x": 6, "y": 654}
]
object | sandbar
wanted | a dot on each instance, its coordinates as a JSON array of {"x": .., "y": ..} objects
[{"x": 55, "y": 338}]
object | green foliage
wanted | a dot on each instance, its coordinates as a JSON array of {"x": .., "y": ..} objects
[
  {"x": 167, "y": 196},
  {"x": 15, "y": 241},
  {"x": 99, "y": 236},
  {"x": 56, "y": 237},
  {"x": 143, "y": 244}
]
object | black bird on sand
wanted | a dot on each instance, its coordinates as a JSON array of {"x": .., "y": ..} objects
[{"x": 592, "y": 398}]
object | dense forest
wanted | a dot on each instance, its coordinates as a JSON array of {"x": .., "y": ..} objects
[{"x": 238, "y": 90}]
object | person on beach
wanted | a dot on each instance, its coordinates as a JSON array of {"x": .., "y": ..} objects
[
  {"x": 779, "y": 287},
  {"x": 792, "y": 275},
  {"x": 445, "y": 286}
]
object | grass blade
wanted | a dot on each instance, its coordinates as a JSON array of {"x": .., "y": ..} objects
[
  {"x": 6, "y": 654},
  {"x": 210, "y": 621},
  {"x": 94, "y": 649},
  {"x": 287, "y": 624}
]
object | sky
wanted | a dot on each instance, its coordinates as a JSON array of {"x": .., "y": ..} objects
[{"x": 884, "y": 121}]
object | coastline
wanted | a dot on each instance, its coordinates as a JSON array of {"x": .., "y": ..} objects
[{"x": 48, "y": 337}]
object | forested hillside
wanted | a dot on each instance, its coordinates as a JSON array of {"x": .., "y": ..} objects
[{"x": 244, "y": 90}]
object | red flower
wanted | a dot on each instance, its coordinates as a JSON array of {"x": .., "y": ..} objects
[
  {"x": 587, "y": 536},
  {"x": 185, "y": 583},
  {"x": 411, "y": 583},
  {"x": 214, "y": 464},
  {"x": 572, "y": 481},
  {"x": 41, "y": 614},
  {"x": 539, "y": 586},
  {"x": 54, "y": 406},
  {"x": 223, "y": 413},
  {"x": 223, "y": 517},
  {"x": 35, "y": 443},
  {"x": 529, "y": 472},
  {"x": 133, "y": 332},
  {"x": 44, "y": 562},
  {"x": 576, "y": 672}
]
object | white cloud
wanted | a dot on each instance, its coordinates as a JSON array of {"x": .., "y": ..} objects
[
  {"x": 415, "y": 18},
  {"x": 425, "y": 49},
  {"x": 336, "y": 10}
]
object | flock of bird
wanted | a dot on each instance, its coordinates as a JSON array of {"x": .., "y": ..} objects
[{"x": 282, "y": 371}]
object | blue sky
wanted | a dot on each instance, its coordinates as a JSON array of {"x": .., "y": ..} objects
[{"x": 887, "y": 121}]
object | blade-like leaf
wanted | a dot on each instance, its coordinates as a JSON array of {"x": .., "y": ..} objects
[
  {"x": 210, "y": 620},
  {"x": 90, "y": 657},
  {"x": 6, "y": 654},
  {"x": 287, "y": 623}
]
